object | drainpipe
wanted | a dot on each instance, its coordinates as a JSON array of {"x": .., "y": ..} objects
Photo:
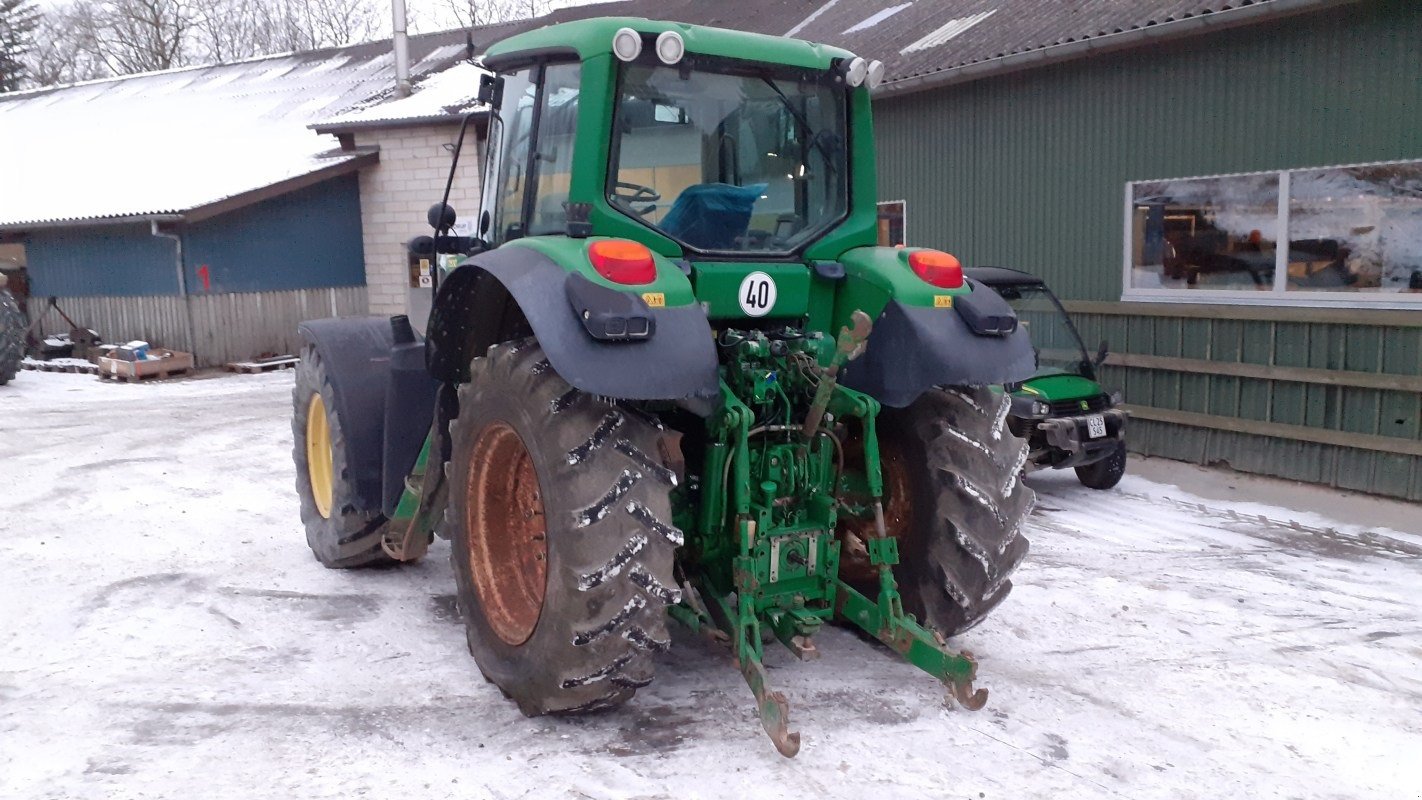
[
  {"x": 402, "y": 50},
  {"x": 182, "y": 283}
]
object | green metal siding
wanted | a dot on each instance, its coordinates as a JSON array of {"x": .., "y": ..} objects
[{"x": 1029, "y": 169}]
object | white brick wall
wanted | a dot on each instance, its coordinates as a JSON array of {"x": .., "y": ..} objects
[{"x": 394, "y": 196}]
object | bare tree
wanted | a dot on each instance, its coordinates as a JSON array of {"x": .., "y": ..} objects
[
  {"x": 63, "y": 50},
  {"x": 473, "y": 13},
  {"x": 18, "y": 20}
]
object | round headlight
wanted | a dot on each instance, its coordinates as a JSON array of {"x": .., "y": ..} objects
[
  {"x": 626, "y": 44},
  {"x": 876, "y": 73},
  {"x": 670, "y": 47},
  {"x": 855, "y": 72}
]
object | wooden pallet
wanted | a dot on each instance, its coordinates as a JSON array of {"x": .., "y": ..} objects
[
  {"x": 146, "y": 377},
  {"x": 263, "y": 364},
  {"x": 49, "y": 366}
]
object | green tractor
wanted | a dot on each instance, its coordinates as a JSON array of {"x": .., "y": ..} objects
[
  {"x": 1067, "y": 418},
  {"x": 675, "y": 378},
  {"x": 12, "y": 334}
]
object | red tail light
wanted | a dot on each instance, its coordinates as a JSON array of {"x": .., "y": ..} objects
[
  {"x": 937, "y": 268},
  {"x": 621, "y": 261}
]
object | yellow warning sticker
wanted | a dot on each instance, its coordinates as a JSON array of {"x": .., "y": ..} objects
[
  {"x": 943, "y": 301},
  {"x": 654, "y": 299}
]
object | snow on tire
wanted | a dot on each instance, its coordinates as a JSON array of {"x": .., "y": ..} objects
[
  {"x": 569, "y": 623},
  {"x": 961, "y": 532},
  {"x": 12, "y": 336}
]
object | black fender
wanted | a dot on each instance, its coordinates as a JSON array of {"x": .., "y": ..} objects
[
  {"x": 912, "y": 348},
  {"x": 385, "y": 413},
  {"x": 516, "y": 291}
]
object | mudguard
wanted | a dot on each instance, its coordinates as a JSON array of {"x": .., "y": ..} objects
[
  {"x": 913, "y": 348},
  {"x": 356, "y": 352},
  {"x": 677, "y": 362}
]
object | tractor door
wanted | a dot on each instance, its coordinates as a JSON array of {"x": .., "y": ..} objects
[{"x": 531, "y": 148}]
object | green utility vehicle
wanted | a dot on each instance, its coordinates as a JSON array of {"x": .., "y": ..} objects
[
  {"x": 674, "y": 377},
  {"x": 1066, "y": 417}
]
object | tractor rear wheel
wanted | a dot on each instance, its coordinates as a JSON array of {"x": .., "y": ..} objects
[
  {"x": 12, "y": 336},
  {"x": 340, "y": 536},
  {"x": 559, "y": 523},
  {"x": 955, "y": 499}
]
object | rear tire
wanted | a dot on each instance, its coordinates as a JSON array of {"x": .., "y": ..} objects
[
  {"x": 567, "y": 622},
  {"x": 12, "y": 337},
  {"x": 340, "y": 536},
  {"x": 1105, "y": 473},
  {"x": 960, "y": 531}
]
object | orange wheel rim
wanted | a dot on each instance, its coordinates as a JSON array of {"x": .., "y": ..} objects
[{"x": 506, "y": 533}]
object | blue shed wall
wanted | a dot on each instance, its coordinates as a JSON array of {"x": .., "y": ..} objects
[
  {"x": 307, "y": 239},
  {"x": 109, "y": 261}
]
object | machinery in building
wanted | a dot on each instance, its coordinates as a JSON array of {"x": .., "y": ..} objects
[
  {"x": 12, "y": 334},
  {"x": 1065, "y": 415},
  {"x": 675, "y": 378}
]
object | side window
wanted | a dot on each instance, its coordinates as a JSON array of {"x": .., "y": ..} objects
[
  {"x": 553, "y": 160},
  {"x": 891, "y": 223},
  {"x": 507, "y": 195}
]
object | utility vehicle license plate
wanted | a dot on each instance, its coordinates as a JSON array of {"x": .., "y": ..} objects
[{"x": 1096, "y": 426}]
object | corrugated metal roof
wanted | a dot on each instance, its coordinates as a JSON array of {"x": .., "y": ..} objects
[
  {"x": 165, "y": 142},
  {"x": 922, "y": 37}
]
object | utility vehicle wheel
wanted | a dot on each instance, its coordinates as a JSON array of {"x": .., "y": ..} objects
[
  {"x": 12, "y": 336},
  {"x": 955, "y": 499},
  {"x": 340, "y": 536},
  {"x": 561, "y": 538},
  {"x": 1105, "y": 473}
]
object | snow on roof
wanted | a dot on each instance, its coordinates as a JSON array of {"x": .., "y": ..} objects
[
  {"x": 165, "y": 142},
  {"x": 438, "y": 95}
]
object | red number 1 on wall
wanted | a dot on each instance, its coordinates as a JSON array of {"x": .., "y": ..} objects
[{"x": 206, "y": 276}]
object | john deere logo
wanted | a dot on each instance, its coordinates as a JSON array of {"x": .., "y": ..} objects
[{"x": 1084, "y": 405}]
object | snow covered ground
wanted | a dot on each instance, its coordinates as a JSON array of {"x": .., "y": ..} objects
[{"x": 165, "y": 633}]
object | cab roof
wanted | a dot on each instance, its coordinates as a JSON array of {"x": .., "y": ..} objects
[{"x": 583, "y": 39}]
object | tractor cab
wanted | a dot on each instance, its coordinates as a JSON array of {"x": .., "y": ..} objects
[{"x": 679, "y": 138}]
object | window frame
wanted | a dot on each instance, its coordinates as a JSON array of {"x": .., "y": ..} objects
[
  {"x": 729, "y": 66},
  {"x": 1279, "y": 294},
  {"x": 903, "y": 217}
]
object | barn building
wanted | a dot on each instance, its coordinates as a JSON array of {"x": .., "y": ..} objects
[
  {"x": 1229, "y": 193},
  {"x": 193, "y": 208}
]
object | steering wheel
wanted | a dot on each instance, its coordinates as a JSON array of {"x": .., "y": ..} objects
[{"x": 635, "y": 193}]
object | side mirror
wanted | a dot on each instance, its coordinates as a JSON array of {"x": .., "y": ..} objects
[
  {"x": 491, "y": 90},
  {"x": 1101, "y": 353},
  {"x": 441, "y": 216}
]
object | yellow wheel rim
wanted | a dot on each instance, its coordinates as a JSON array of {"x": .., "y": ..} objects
[{"x": 318, "y": 455}]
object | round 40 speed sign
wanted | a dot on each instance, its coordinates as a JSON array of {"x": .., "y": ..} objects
[{"x": 757, "y": 294}]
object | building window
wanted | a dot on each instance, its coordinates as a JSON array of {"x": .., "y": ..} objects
[
  {"x": 891, "y": 223},
  {"x": 1330, "y": 236}
]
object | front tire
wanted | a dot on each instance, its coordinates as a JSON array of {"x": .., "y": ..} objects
[
  {"x": 559, "y": 523},
  {"x": 1107, "y": 472},
  {"x": 340, "y": 536},
  {"x": 12, "y": 337},
  {"x": 955, "y": 498}
]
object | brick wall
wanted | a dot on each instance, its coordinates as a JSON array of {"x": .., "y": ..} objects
[{"x": 394, "y": 196}]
